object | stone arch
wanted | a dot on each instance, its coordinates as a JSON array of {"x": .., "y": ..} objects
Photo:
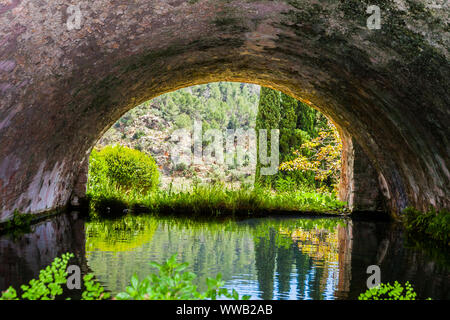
[{"x": 61, "y": 89}]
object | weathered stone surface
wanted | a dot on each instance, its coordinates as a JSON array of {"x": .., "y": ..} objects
[
  {"x": 61, "y": 89},
  {"x": 383, "y": 245},
  {"x": 22, "y": 259},
  {"x": 359, "y": 186},
  {"x": 79, "y": 189}
]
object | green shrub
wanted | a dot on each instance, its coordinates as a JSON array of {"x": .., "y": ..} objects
[
  {"x": 389, "y": 292},
  {"x": 138, "y": 134},
  {"x": 123, "y": 167},
  {"x": 431, "y": 224}
]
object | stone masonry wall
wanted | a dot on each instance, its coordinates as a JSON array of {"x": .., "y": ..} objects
[{"x": 62, "y": 87}]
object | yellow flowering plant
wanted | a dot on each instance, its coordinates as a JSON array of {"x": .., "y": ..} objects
[{"x": 321, "y": 155}]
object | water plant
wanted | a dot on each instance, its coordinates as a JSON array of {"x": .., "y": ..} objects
[
  {"x": 389, "y": 292},
  {"x": 93, "y": 289}
]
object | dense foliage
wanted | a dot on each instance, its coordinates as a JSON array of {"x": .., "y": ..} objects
[
  {"x": 116, "y": 184},
  {"x": 309, "y": 146},
  {"x": 224, "y": 105},
  {"x": 123, "y": 167},
  {"x": 214, "y": 200},
  {"x": 433, "y": 225},
  {"x": 219, "y": 105},
  {"x": 321, "y": 156}
]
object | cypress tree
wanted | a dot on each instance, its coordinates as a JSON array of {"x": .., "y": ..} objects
[
  {"x": 306, "y": 119},
  {"x": 288, "y": 124},
  {"x": 291, "y": 138},
  {"x": 268, "y": 118},
  {"x": 297, "y": 123},
  {"x": 310, "y": 120}
]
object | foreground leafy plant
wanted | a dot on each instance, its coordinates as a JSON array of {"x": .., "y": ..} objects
[
  {"x": 389, "y": 292},
  {"x": 93, "y": 289},
  {"x": 47, "y": 286},
  {"x": 171, "y": 283}
]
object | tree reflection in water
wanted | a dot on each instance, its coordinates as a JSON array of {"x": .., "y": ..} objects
[{"x": 267, "y": 258}]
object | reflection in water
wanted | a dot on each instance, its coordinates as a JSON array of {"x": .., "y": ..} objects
[
  {"x": 269, "y": 258},
  {"x": 21, "y": 259}
]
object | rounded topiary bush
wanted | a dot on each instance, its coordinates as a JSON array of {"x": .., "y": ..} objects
[{"x": 124, "y": 167}]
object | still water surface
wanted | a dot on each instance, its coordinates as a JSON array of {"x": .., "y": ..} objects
[{"x": 267, "y": 258}]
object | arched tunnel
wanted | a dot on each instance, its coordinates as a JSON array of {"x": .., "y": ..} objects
[{"x": 63, "y": 85}]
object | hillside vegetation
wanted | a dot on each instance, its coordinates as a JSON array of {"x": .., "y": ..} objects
[
  {"x": 228, "y": 105},
  {"x": 308, "y": 143}
]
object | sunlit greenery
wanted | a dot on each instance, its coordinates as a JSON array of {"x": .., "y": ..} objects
[
  {"x": 47, "y": 286},
  {"x": 125, "y": 168},
  {"x": 119, "y": 235},
  {"x": 321, "y": 156},
  {"x": 216, "y": 200},
  {"x": 122, "y": 179},
  {"x": 389, "y": 292},
  {"x": 309, "y": 146}
]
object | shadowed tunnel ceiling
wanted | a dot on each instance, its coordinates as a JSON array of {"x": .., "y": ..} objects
[{"x": 62, "y": 89}]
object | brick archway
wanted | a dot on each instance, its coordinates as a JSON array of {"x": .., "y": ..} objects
[{"x": 61, "y": 89}]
